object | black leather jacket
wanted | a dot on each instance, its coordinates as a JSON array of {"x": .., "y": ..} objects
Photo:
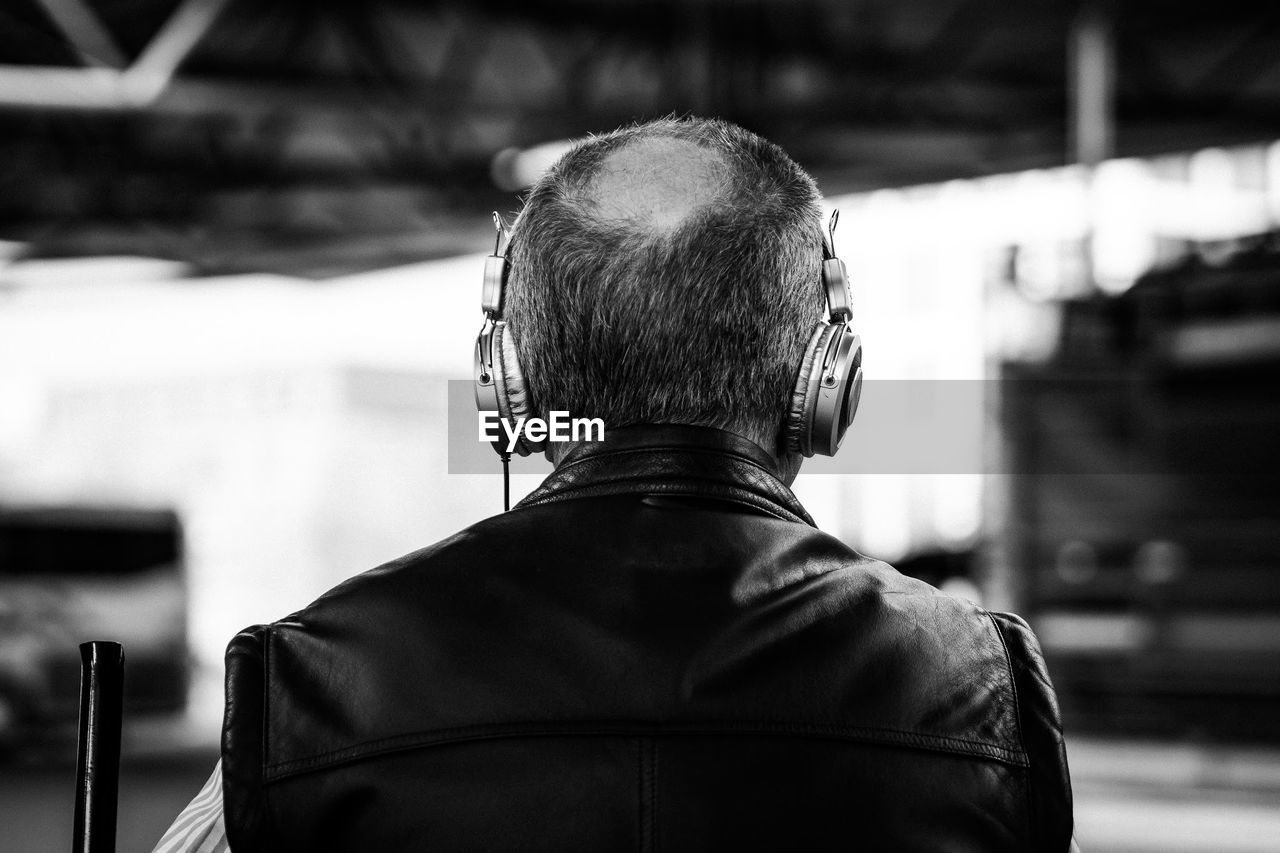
[{"x": 656, "y": 650}]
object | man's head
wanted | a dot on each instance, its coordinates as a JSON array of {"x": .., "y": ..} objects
[{"x": 668, "y": 273}]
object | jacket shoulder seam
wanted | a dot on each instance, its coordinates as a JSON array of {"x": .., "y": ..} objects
[
  {"x": 1017, "y": 713},
  {"x": 1013, "y": 679}
]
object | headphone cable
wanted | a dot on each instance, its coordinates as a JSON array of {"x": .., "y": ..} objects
[{"x": 506, "y": 482}]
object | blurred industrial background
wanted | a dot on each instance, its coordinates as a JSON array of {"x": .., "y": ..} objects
[{"x": 240, "y": 260}]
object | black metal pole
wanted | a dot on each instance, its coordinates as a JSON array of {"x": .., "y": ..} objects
[{"x": 98, "y": 759}]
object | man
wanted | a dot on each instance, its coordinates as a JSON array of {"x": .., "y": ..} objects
[{"x": 656, "y": 649}]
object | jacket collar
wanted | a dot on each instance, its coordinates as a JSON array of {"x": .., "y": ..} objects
[{"x": 672, "y": 459}]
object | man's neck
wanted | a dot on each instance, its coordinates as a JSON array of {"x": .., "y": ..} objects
[{"x": 786, "y": 464}]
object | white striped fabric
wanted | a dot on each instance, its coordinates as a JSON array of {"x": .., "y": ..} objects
[{"x": 199, "y": 828}]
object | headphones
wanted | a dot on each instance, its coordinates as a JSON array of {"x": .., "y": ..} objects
[{"x": 823, "y": 403}]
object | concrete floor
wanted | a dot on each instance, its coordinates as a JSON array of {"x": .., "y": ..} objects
[
  {"x": 1145, "y": 796},
  {"x": 37, "y": 804}
]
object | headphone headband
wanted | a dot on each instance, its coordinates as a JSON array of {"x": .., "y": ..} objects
[{"x": 835, "y": 278}]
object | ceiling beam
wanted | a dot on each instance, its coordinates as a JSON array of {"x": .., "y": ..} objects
[
  {"x": 184, "y": 29},
  {"x": 88, "y": 35},
  {"x": 111, "y": 88}
]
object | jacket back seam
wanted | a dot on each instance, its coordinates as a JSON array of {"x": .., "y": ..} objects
[{"x": 441, "y": 737}]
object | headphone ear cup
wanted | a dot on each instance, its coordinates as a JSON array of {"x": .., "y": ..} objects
[
  {"x": 839, "y": 391},
  {"x": 804, "y": 398},
  {"x": 514, "y": 401}
]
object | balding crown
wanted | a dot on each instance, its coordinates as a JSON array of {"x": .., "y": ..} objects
[
  {"x": 639, "y": 241},
  {"x": 657, "y": 183}
]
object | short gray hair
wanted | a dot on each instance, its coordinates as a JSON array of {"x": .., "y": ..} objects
[{"x": 704, "y": 323}]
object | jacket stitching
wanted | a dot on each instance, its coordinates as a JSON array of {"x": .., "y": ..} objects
[
  {"x": 570, "y": 485},
  {"x": 268, "y": 818},
  {"x": 553, "y": 494},
  {"x": 639, "y": 793},
  {"x": 1013, "y": 679},
  {"x": 618, "y": 487},
  {"x": 266, "y": 699},
  {"x": 441, "y": 737},
  {"x": 678, "y": 448},
  {"x": 666, "y": 488},
  {"x": 653, "y": 795},
  {"x": 1017, "y": 719},
  {"x": 257, "y": 655}
]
